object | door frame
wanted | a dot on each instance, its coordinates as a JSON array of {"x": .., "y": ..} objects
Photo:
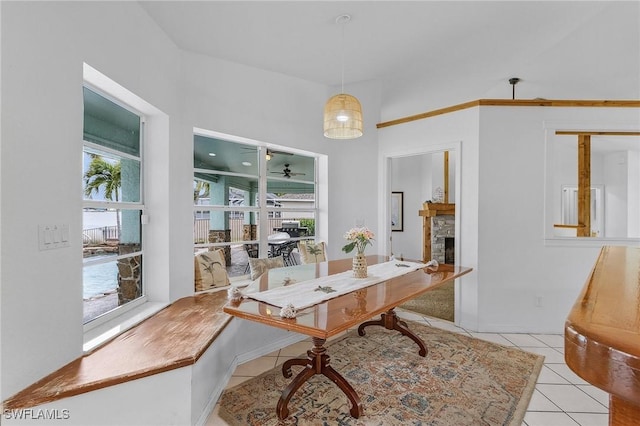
[{"x": 384, "y": 224}]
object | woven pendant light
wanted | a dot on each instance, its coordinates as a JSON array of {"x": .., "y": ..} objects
[
  {"x": 343, "y": 117},
  {"x": 343, "y": 113}
]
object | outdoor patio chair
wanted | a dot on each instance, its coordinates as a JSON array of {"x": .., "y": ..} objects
[
  {"x": 261, "y": 265},
  {"x": 311, "y": 252},
  {"x": 252, "y": 251},
  {"x": 286, "y": 251}
]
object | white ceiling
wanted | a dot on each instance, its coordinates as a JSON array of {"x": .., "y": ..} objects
[{"x": 385, "y": 39}]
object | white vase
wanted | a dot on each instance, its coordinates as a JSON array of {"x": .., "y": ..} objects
[{"x": 359, "y": 266}]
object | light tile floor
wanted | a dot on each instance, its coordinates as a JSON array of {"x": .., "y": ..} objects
[{"x": 560, "y": 398}]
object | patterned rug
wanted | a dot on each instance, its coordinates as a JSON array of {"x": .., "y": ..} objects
[
  {"x": 436, "y": 303},
  {"x": 461, "y": 381}
]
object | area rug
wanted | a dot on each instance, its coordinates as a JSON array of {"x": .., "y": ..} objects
[
  {"x": 436, "y": 303},
  {"x": 461, "y": 381}
]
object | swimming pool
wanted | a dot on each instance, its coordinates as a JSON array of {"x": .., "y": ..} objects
[{"x": 99, "y": 279}]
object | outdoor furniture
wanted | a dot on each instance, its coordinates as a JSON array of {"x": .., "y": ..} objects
[
  {"x": 210, "y": 270},
  {"x": 277, "y": 242},
  {"x": 286, "y": 251},
  {"x": 252, "y": 251},
  {"x": 261, "y": 265},
  {"x": 311, "y": 252},
  {"x": 296, "y": 232}
]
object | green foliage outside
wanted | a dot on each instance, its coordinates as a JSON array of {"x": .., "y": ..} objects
[{"x": 310, "y": 224}]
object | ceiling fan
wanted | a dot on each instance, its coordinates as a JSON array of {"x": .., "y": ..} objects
[{"x": 286, "y": 172}]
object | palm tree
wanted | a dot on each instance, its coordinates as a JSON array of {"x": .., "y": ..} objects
[{"x": 103, "y": 174}]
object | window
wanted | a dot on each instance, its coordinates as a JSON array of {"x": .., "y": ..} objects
[
  {"x": 243, "y": 192},
  {"x": 112, "y": 205}
]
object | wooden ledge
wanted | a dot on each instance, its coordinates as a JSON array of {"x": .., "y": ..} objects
[
  {"x": 175, "y": 337},
  {"x": 515, "y": 102},
  {"x": 436, "y": 209}
]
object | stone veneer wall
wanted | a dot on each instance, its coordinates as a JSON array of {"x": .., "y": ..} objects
[
  {"x": 442, "y": 226},
  {"x": 129, "y": 270},
  {"x": 249, "y": 232}
]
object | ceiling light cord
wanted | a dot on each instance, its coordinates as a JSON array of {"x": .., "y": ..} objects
[
  {"x": 342, "y": 112},
  {"x": 343, "y": 25}
]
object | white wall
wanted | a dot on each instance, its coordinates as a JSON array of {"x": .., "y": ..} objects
[
  {"x": 272, "y": 108},
  {"x": 407, "y": 175},
  {"x": 501, "y": 210},
  {"x": 44, "y": 47},
  {"x": 353, "y": 172},
  {"x": 616, "y": 193},
  {"x": 633, "y": 197},
  {"x": 516, "y": 267},
  {"x": 511, "y": 216},
  {"x": 458, "y": 133}
]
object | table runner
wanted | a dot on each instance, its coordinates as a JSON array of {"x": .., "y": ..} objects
[{"x": 308, "y": 293}]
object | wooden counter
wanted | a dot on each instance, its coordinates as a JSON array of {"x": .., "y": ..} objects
[
  {"x": 602, "y": 332},
  {"x": 175, "y": 337}
]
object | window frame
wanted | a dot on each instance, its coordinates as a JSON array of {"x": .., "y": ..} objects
[
  {"x": 261, "y": 209},
  {"x": 120, "y": 205}
]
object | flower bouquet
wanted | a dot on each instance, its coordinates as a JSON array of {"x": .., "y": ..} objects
[{"x": 359, "y": 239}]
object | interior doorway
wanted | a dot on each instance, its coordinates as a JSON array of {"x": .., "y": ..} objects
[{"x": 430, "y": 176}]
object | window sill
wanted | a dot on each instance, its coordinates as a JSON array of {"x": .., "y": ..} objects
[{"x": 110, "y": 329}]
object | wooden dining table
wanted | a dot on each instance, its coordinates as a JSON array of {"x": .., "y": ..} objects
[{"x": 336, "y": 315}]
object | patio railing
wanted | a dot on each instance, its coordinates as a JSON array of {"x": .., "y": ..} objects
[
  {"x": 100, "y": 235},
  {"x": 201, "y": 229}
]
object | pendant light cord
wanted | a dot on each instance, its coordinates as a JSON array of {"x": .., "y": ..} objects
[
  {"x": 343, "y": 24},
  {"x": 343, "y": 20}
]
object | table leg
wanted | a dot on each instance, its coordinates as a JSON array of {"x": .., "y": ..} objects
[
  {"x": 390, "y": 321},
  {"x": 317, "y": 362},
  {"x": 286, "y": 367}
]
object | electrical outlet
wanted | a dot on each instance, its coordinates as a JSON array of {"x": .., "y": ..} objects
[{"x": 538, "y": 301}]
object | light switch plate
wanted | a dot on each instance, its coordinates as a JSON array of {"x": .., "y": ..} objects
[{"x": 53, "y": 236}]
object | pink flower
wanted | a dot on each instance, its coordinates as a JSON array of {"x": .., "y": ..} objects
[{"x": 359, "y": 238}]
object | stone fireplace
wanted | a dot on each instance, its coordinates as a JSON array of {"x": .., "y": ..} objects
[
  {"x": 438, "y": 232},
  {"x": 442, "y": 233},
  {"x": 450, "y": 250}
]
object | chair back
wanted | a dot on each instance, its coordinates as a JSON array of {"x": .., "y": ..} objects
[
  {"x": 312, "y": 252},
  {"x": 252, "y": 250}
]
